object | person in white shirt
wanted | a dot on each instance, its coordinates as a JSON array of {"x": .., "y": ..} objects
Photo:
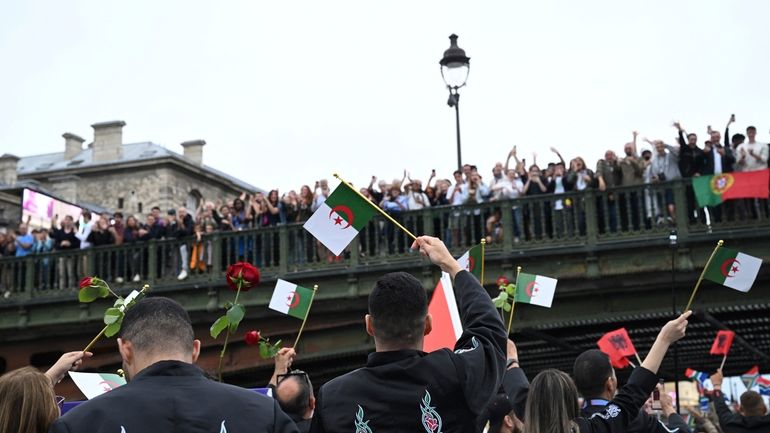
[
  {"x": 84, "y": 230},
  {"x": 752, "y": 155},
  {"x": 511, "y": 187},
  {"x": 416, "y": 197}
]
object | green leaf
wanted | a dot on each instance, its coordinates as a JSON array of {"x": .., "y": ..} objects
[
  {"x": 228, "y": 305},
  {"x": 235, "y": 315},
  {"x": 264, "y": 351},
  {"x": 92, "y": 293},
  {"x": 510, "y": 289},
  {"x": 507, "y": 307},
  {"x": 113, "y": 328},
  {"x": 501, "y": 299},
  {"x": 118, "y": 302},
  {"x": 112, "y": 315},
  {"x": 219, "y": 326}
]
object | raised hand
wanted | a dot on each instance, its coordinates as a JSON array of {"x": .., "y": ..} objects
[
  {"x": 676, "y": 125},
  {"x": 68, "y": 361},
  {"x": 437, "y": 252}
]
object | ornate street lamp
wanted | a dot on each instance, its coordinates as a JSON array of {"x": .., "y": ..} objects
[{"x": 454, "y": 70}]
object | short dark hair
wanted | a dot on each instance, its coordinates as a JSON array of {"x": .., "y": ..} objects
[
  {"x": 398, "y": 306},
  {"x": 591, "y": 370},
  {"x": 158, "y": 325},
  {"x": 457, "y": 172},
  {"x": 752, "y": 404},
  {"x": 299, "y": 403},
  {"x": 692, "y": 135},
  {"x": 751, "y": 128},
  {"x": 118, "y": 215},
  {"x": 157, "y": 208},
  {"x": 738, "y": 138}
]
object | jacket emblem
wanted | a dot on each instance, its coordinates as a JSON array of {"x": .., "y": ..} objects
[
  {"x": 612, "y": 411},
  {"x": 361, "y": 425},
  {"x": 222, "y": 429},
  {"x": 474, "y": 344},
  {"x": 431, "y": 420}
]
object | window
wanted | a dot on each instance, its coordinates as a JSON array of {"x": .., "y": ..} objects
[
  {"x": 139, "y": 207},
  {"x": 193, "y": 200},
  {"x": 45, "y": 359},
  {"x": 120, "y": 202}
]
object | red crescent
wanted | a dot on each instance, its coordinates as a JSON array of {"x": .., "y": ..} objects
[
  {"x": 726, "y": 265},
  {"x": 529, "y": 287},
  {"x": 344, "y": 209},
  {"x": 294, "y": 300},
  {"x": 471, "y": 264}
]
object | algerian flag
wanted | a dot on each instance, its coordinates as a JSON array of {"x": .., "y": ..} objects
[
  {"x": 289, "y": 298},
  {"x": 95, "y": 384},
  {"x": 535, "y": 289},
  {"x": 472, "y": 261},
  {"x": 733, "y": 269},
  {"x": 339, "y": 219}
]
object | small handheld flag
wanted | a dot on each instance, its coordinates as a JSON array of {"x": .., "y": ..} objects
[
  {"x": 447, "y": 327},
  {"x": 617, "y": 345},
  {"x": 733, "y": 269},
  {"x": 722, "y": 342},
  {"x": 750, "y": 377},
  {"x": 535, "y": 289},
  {"x": 291, "y": 299},
  {"x": 696, "y": 375},
  {"x": 473, "y": 261},
  {"x": 339, "y": 219}
]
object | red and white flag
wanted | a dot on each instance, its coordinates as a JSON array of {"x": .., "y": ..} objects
[{"x": 447, "y": 327}]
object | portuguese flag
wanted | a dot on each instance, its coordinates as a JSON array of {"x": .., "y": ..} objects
[
  {"x": 713, "y": 190},
  {"x": 535, "y": 289},
  {"x": 733, "y": 269},
  {"x": 472, "y": 261},
  {"x": 289, "y": 298},
  {"x": 339, "y": 219}
]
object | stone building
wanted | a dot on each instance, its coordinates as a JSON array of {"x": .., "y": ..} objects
[{"x": 117, "y": 176}]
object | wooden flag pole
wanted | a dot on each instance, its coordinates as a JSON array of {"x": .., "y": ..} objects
[
  {"x": 513, "y": 303},
  {"x": 705, "y": 268},
  {"x": 95, "y": 338},
  {"x": 388, "y": 217},
  {"x": 722, "y": 365},
  {"x": 299, "y": 334},
  {"x": 483, "y": 244},
  {"x": 632, "y": 364}
]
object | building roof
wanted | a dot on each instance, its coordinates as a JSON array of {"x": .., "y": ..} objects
[{"x": 132, "y": 152}]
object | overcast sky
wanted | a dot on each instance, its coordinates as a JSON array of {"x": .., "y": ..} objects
[{"x": 285, "y": 93}]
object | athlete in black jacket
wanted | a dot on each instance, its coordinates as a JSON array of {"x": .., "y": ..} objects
[
  {"x": 402, "y": 388},
  {"x": 165, "y": 392},
  {"x": 596, "y": 382}
]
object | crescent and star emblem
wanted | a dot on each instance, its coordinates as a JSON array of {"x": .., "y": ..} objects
[
  {"x": 342, "y": 209},
  {"x": 730, "y": 267},
  {"x": 471, "y": 264},
  {"x": 293, "y": 299},
  {"x": 531, "y": 288}
]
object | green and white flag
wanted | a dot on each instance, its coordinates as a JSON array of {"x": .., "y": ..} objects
[
  {"x": 733, "y": 269},
  {"x": 472, "y": 261},
  {"x": 535, "y": 289},
  {"x": 289, "y": 298},
  {"x": 95, "y": 384},
  {"x": 339, "y": 219}
]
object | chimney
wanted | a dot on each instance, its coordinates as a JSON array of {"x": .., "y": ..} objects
[
  {"x": 8, "y": 169},
  {"x": 108, "y": 141},
  {"x": 193, "y": 151},
  {"x": 73, "y": 145}
]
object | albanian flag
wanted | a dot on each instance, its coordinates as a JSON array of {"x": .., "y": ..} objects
[
  {"x": 617, "y": 345},
  {"x": 722, "y": 343}
]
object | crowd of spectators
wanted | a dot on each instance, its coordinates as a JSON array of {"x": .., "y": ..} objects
[{"x": 513, "y": 179}]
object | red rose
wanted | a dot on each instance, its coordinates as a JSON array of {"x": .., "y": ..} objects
[
  {"x": 86, "y": 282},
  {"x": 244, "y": 273},
  {"x": 502, "y": 281},
  {"x": 252, "y": 337}
]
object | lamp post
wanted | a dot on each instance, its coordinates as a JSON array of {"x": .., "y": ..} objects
[{"x": 455, "y": 66}]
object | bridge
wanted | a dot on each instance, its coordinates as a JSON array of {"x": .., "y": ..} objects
[{"x": 611, "y": 253}]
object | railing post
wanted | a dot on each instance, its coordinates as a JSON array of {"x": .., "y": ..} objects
[
  {"x": 592, "y": 232},
  {"x": 216, "y": 255},
  {"x": 29, "y": 275},
  {"x": 680, "y": 204},
  {"x": 355, "y": 247},
  {"x": 283, "y": 253},
  {"x": 152, "y": 261},
  {"x": 428, "y": 227},
  {"x": 506, "y": 214}
]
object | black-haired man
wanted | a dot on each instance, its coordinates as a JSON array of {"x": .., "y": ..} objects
[
  {"x": 402, "y": 388},
  {"x": 165, "y": 392},
  {"x": 596, "y": 382}
]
